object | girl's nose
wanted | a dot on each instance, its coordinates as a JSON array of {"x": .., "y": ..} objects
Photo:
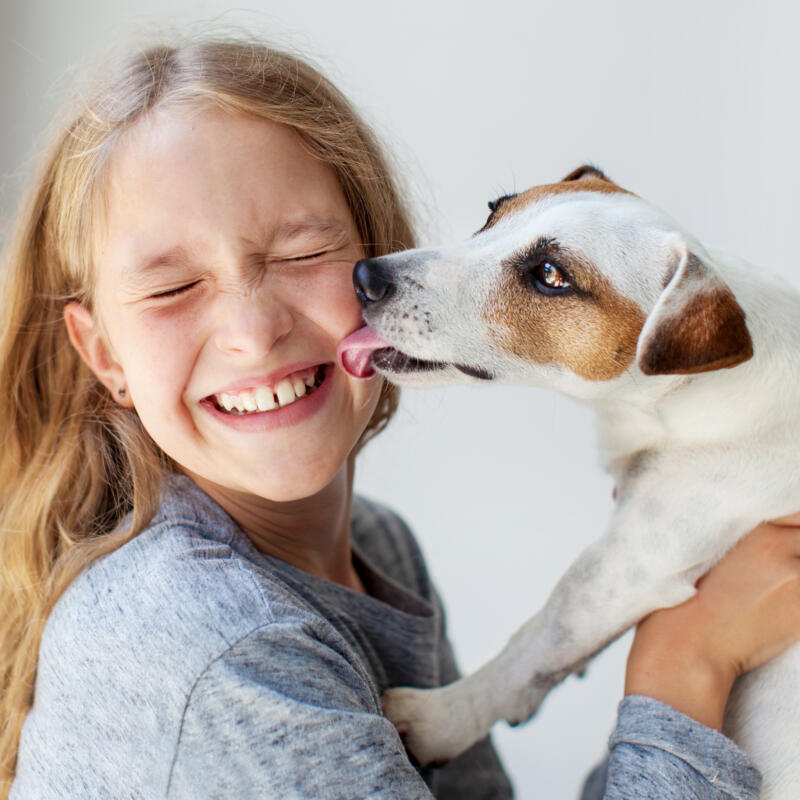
[{"x": 251, "y": 323}]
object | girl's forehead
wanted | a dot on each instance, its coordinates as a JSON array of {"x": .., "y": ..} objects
[
  {"x": 206, "y": 138},
  {"x": 190, "y": 177}
]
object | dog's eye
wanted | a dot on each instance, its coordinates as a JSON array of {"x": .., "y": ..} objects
[{"x": 548, "y": 278}]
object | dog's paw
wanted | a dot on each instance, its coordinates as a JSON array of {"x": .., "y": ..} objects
[{"x": 428, "y": 723}]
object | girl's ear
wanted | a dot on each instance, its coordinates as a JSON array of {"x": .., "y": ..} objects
[{"x": 87, "y": 339}]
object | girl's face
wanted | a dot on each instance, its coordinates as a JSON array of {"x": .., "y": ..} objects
[{"x": 224, "y": 279}]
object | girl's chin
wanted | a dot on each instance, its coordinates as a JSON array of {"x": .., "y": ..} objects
[{"x": 293, "y": 484}]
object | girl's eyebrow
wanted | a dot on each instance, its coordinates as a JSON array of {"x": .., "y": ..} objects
[
  {"x": 325, "y": 227},
  {"x": 141, "y": 269}
]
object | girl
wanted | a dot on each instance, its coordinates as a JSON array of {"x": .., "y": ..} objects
[{"x": 194, "y": 605}]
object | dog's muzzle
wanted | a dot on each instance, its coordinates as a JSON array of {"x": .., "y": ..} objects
[{"x": 363, "y": 351}]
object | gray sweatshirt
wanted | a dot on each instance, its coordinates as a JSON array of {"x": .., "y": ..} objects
[{"x": 187, "y": 664}]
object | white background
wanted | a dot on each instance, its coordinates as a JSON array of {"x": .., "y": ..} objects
[{"x": 691, "y": 104}]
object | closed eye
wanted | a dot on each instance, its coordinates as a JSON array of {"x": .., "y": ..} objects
[
  {"x": 174, "y": 292},
  {"x": 308, "y": 257},
  {"x": 277, "y": 258}
]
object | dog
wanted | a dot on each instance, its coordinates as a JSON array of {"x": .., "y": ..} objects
[{"x": 691, "y": 360}]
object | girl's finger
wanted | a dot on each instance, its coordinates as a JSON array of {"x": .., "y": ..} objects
[{"x": 789, "y": 521}]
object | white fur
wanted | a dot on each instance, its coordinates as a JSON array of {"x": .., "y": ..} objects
[{"x": 698, "y": 461}]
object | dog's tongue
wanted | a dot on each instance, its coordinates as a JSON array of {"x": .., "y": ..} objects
[{"x": 355, "y": 350}]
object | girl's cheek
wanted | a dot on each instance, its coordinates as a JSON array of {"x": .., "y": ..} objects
[
  {"x": 154, "y": 346},
  {"x": 342, "y": 300},
  {"x": 329, "y": 300}
]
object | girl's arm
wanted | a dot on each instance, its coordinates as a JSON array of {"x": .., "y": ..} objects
[
  {"x": 746, "y": 610},
  {"x": 682, "y": 666}
]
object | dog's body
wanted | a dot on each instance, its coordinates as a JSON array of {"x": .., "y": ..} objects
[{"x": 583, "y": 287}]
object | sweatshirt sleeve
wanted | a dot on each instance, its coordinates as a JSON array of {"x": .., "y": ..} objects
[
  {"x": 658, "y": 753},
  {"x": 282, "y": 714}
]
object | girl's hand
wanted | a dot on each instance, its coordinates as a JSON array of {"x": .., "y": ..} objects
[{"x": 746, "y": 611}]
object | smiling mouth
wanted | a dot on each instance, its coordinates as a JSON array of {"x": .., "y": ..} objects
[{"x": 271, "y": 398}]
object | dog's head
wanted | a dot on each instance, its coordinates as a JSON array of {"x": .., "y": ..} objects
[{"x": 579, "y": 279}]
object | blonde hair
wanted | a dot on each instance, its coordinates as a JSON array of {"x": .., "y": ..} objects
[{"x": 72, "y": 461}]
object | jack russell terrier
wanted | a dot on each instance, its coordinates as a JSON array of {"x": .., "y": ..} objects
[{"x": 691, "y": 359}]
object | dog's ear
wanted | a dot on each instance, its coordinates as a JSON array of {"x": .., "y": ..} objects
[
  {"x": 696, "y": 325},
  {"x": 585, "y": 173}
]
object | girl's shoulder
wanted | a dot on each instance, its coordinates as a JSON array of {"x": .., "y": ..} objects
[
  {"x": 188, "y": 616},
  {"x": 191, "y": 583},
  {"x": 174, "y": 596}
]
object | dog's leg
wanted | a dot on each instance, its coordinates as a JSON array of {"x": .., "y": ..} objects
[
  {"x": 588, "y": 609},
  {"x": 640, "y": 565}
]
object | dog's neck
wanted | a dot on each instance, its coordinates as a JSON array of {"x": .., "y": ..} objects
[
  {"x": 685, "y": 411},
  {"x": 629, "y": 423}
]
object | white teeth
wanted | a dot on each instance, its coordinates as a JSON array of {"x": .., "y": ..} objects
[
  {"x": 285, "y": 393},
  {"x": 265, "y": 399}
]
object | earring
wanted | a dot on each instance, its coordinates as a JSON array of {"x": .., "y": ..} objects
[{"x": 122, "y": 392}]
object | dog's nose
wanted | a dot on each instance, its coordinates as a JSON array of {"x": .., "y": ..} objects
[{"x": 372, "y": 281}]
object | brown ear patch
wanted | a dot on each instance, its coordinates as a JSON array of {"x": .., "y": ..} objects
[
  {"x": 706, "y": 333},
  {"x": 592, "y": 332},
  {"x": 585, "y": 172},
  {"x": 583, "y": 179}
]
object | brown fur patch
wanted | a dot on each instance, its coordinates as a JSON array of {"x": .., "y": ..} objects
[
  {"x": 536, "y": 193},
  {"x": 593, "y": 332},
  {"x": 707, "y": 333}
]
